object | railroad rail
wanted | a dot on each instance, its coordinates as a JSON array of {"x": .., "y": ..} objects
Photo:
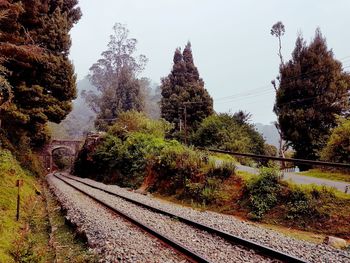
[
  {"x": 188, "y": 253},
  {"x": 258, "y": 248}
]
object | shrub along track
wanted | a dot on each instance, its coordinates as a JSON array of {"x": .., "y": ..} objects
[{"x": 246, "y": 249}]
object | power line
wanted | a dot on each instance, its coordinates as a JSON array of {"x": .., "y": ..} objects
[
  {"x": 249, "y": 94},
  {"x": 267, "y": 87}
]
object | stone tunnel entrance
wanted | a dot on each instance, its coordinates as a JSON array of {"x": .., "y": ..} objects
[{"x": 68, "y": 148}]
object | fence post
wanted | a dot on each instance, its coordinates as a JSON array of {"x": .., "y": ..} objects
[{"x": 19, "y": 183}]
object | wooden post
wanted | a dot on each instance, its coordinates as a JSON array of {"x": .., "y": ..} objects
[{"x": 19, "y": 183}]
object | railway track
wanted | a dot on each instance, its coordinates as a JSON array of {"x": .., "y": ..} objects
[{"x": 178, "y": 246}]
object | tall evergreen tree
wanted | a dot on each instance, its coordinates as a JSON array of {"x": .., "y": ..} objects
[
  {"x": 182, "y": 90},
  {"x": 35, "y": 43},
  {"x": 115, "y": 77},
  {"x": 313, "y": 90}
]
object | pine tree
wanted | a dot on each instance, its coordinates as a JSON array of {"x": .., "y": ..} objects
[
  {"x": 183, "y": 88},
  {"x": 312, "y": 92},
  {"x": 35, "y": 42}
]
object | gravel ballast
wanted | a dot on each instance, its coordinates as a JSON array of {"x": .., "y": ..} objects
[
  {"x": 214, "y": 248},
  {"x": 305, "y": 250},
  {"x": 111, "y": 237}
]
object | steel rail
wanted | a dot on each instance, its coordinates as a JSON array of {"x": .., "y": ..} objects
[
  {"x": 188, "y": 253},
  {"x": 292, "y": 160},
  {"x": 259, "y": 248}
]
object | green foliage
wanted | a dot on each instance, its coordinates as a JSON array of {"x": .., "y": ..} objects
[
  {"x": 62, "y": 158},
  {"x": 204, "y": 193},
  {"x": 313, "y": 90},
  {"x": 221, "y": 170},
  {"x": 184, "y": 88},
  {"x": 270, "y": 150},
  {"x": 263, "y": 192},
  {"x": 229, "y": 132},
  {"x": 299, "y": 205},
  {"x": 34, "y": 43},
  {"x": 133, "y": 121},
  {"x": 174, "y": 165},
  {"x": 122, "y": 162},
  {"x": 338, "y": 145},
  {"x": 10, "y": 171},
  {"x": 135, "y": 150},
  {"x": 115, "y": 77},
  {"x": 28, "y": 159},
  {"x": 308, "y": 203},
  {"x": 139, "y": 149}
]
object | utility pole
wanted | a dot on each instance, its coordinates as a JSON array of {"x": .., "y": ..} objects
[{"x": 185, "y": 113}]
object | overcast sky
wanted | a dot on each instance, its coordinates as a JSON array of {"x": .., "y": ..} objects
[{"x": 231, "y": 42}]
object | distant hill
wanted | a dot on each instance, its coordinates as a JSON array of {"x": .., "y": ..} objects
[{"x": 269, "y": 132}]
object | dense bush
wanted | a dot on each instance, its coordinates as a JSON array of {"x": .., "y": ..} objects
[
  {"x": 299, "y": 204},
  {"x": 205, "y": 192},
  {"x": 220, "y": 169},
  {"x": 338, "y": 145},
  {"x": 263, "y": 192},
  {"x": 124, "y": 162},
  {"x": 134, "y": 153},
  {"x": 302, "y": 203},
  {"x": 133, "y": 121},
  {"x": 23, "y": 153},
  {"x": 229, "y": 132},
  {"x": 174, "y": 165},
  {"x": 307, "y": 203}
]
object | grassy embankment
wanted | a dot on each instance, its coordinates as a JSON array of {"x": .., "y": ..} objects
[
  {"x": 28, "y": 240},
  {"x": 304, "y": 212},
  {"x": 179, "y": 173},
  {"x": 141, "y": 157}
]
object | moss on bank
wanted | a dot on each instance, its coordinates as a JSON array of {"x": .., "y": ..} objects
[{"x": 28, "y": 240}]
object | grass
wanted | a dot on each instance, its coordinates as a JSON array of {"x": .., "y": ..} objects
[
  {"x": 28, "y": 239},
  {"x": 294, "y": 233},
  {"x": 222, "y": 157},
  {"x": 335, "y": 176},
  {"x": 11, "y": 230},
  {"x": 245, "y": 175},
  {"x": 333, "y": 205}
]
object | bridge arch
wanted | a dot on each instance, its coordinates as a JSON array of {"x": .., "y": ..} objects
[{"x": 73, "y": 146}]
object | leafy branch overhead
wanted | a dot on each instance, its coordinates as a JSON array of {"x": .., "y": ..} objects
[{"x": 34, "y": 45}]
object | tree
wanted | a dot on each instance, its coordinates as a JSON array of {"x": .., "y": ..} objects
[
  {"x": 312, "y": 92},
  {"x": 278, "y": 31},
  {"x": 115, "y": 77},
  {"x": 35, "y": 43},
  {"x": 229, "y": 132},
  {"x": 183, "y": 90},
  {"x": 338, "y": 144}
]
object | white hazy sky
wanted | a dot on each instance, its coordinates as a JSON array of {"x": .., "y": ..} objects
[{"x": 231, "y": 42}]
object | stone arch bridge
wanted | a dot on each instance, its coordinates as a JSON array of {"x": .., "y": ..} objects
[{"x": 73, "y": 147}]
